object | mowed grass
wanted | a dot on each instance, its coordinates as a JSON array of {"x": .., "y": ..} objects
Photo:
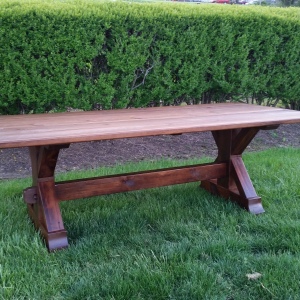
[{"x": 176, "y": 242}]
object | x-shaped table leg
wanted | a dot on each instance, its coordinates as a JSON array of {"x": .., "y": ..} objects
[
  {"x": 45, "y": 211},
  {"x": 237, "y": 185}
]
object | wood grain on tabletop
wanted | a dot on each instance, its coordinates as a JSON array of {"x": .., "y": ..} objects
[{"x": 47, "y": 129}]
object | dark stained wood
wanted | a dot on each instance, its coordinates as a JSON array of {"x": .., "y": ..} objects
[
  {"x": 253, "y": 205},
  {"x": 237, "y": 185},
  {"x": 243, "y": 139},
  {"x": 45, "y": 211},
  {"x": 223, "y": 141},
  {"x": 54, "y": 240},
  {"x": 242, "y": 178},
  {"x": 76, "y": 189},
  {"x": 61, "y": 128},
  {"x": 233, "y": 126},
  {"x": 52, "y": 226}
]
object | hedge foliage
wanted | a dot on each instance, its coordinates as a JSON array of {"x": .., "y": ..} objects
[{"x": 82, "y": 54}]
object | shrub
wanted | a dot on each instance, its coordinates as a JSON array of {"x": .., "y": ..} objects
[{"x": 83, "y": 54}]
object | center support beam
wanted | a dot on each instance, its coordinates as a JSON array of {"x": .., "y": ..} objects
[{"x": 104, "y": 185}]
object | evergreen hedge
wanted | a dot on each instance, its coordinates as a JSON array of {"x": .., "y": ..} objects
[{"x": 82, "y": 54}]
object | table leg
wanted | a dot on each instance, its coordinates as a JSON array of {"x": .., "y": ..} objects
[
  {"x": 45, "y": 211},
  {"x": 237, "y": 185}
]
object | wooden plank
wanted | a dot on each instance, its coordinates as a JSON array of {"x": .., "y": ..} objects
[
  {"x": 183, "y": 122},
  {"x": 116, "y": 116},
  {"x": 242, "y": 179},
  {"x": 50, "y": 129},
  {"x": 243, "y": 139},
  {"x": 69, "y": 190},
  {"x": 155, "y": 112},
  {"x": 48, "y": 200}
]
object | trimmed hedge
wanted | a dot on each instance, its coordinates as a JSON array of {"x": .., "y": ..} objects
[{"x": 83, "y": 54}]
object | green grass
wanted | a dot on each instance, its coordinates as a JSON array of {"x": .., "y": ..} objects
[{"x": 176, "y": 242}]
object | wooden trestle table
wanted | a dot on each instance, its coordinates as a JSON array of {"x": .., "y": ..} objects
[{"x": 233, "y": 126}]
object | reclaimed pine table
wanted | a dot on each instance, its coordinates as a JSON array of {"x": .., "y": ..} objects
[{"x": 233, "y": 126}]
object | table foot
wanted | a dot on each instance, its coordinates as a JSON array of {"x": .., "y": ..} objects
[
  {"x": 253, "y": 204},
  {"x": 54, "y": 240}
]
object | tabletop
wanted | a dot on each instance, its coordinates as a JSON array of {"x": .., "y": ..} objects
[{"x": 65, "y": 128}]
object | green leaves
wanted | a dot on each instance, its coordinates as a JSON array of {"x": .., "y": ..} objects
[{"x": 56, "y": 54}]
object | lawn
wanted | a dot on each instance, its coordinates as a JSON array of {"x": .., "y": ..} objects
[{"x": 176, "y": 242}]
